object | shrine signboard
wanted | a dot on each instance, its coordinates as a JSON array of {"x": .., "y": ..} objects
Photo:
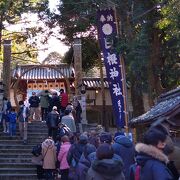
[{"x": 107, "y": 34}]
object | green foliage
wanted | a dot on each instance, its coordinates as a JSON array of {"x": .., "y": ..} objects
[
  {"x": 11, "y": 14},
  {"x": 138, "y": 21},
  {"x": 90, "y": 52}
]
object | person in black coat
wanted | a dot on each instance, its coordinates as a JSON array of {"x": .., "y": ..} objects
[
  {"x": 54, "y": 101},
  {"x": 52, "y": 122},
  {"x": 34, "y": 107},
  {"x": 125, "y": 149},
  {"x": 105, "y": 167},
  {"x": 151, "y": 160}
]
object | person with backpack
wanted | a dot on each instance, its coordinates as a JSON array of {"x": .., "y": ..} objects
[
  {"x": 151, "y": 162},
  {"x": 74, "y": 155},
  {"x": 124, "y": 147},
  {"x": 84, "y": 163},
  {"x": 12, "y": 122},
  {"x": 68, "y": 120}
]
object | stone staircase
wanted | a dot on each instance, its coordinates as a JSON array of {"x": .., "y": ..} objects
[{"x": 15, "y": 158}]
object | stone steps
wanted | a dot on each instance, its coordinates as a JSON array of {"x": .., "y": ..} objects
[
  {"x": 17, "y": 165},
  {"x": 15, "y": 146},
  {"x": 18, "y": 171},
  {"x": 18, "y": 176},
  {"x": 15, "y": 158},
  {"x": 19, "y": 155},
  {"x": 30, "y": 142}
]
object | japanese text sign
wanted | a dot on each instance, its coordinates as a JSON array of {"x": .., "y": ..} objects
[{"x": 107, "y": 32}]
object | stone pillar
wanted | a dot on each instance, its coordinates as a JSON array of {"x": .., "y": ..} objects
[
  {"x": 78, "y": 77},
  {"x": 7, "y": 67},
  {"x": 77, "y": 65}
]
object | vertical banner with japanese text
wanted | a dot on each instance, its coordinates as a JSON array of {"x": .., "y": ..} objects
[{"x": 107, "y": 34}]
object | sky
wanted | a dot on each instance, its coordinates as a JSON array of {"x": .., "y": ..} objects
[{"x": 53, "y": 43}]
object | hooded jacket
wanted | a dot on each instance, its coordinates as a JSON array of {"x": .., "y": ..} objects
[
  {"x": 68, "y": 120},
  {"x": 52, "y": 119},
  {"x": 152, "y": 162},
  {"x": 44, "y": 100},
  {"x": 75, "y": 152},
  {"x": 106, "y": 169},
  {"x": 125, "y": 149},
  {"x": 84, "y": 162},
  {"x": 49, "y": 154}
]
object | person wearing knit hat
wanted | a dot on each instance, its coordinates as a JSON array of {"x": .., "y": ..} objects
[
  {"x": 54, "y": 108},
  {"x": 106, "y": 137},
  {"x": 124, "y": 147}
]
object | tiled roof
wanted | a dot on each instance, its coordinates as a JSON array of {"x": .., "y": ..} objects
[
  {"x": 43, "y": 72},
  {"x": 165, "y": 108}
]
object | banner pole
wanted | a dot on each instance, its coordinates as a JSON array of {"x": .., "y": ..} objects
[{"x": 125, "y": 94}]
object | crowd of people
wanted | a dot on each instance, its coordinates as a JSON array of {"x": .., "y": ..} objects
[
  {"x": 45, "y": 107},
  {"x": 99, "y": 155},
  {"x": 93, "y": 155}
]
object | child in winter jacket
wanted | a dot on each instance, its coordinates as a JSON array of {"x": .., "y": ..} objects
[
  {"x": 12, "y": 116},
  {"x": 62, "y": 157}
]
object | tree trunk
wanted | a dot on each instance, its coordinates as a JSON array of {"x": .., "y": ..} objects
[
  {"x": 154, "y": 67},
  {"x": 137, "y": 97}
]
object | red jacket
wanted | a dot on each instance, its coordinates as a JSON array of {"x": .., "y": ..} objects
[{"x": 64, "y": 100}]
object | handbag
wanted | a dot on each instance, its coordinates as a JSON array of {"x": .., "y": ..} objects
[{"x": 39, "y": 159}]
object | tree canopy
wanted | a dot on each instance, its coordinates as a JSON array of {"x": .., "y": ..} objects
[
  {"x": 148, "y": 40},
  {"x": 11, "y": 13}
]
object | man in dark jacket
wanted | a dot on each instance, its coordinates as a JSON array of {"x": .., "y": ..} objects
[
  {"x": 125, "y": 149},
  {"x": 74, "y": 155},
  {"x": 54, "y": 101},
  {"x": 52, "y": 123},
  {"x": 84, "y": 162},
  {"x": 34, "y": 107},
  {"x": 150, "y": 158}
]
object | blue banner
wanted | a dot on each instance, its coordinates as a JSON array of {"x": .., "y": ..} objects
[{"x": 107, "y": 34}]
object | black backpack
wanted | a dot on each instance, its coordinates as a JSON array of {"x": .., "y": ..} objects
[{"x": 36, "y": 151}]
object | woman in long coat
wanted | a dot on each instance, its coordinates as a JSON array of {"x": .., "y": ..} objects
[{"x": 49, "y": 157}]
